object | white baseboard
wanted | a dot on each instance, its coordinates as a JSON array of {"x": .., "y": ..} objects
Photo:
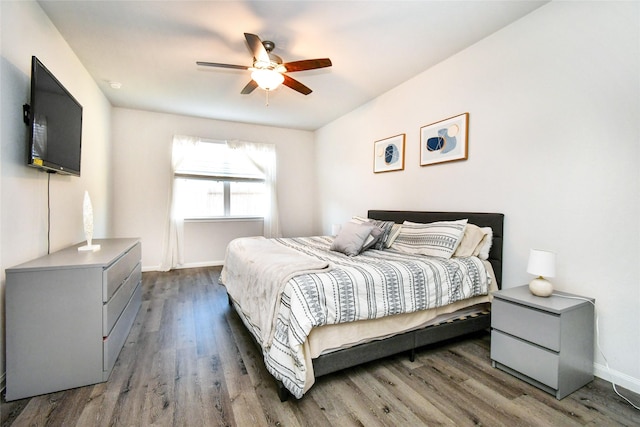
[
  {"x": 620, "y": 379},
  {"x": 189, "y": 265},
  {"x": 202, "y": 264}
]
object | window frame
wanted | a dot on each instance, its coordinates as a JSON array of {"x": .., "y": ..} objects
[{"x": 226, "y": 181}]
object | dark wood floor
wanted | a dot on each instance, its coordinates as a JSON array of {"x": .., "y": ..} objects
[{"x": 189, "y": 362}]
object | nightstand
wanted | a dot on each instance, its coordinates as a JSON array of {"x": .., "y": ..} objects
[{"x": 547, "y": 342}]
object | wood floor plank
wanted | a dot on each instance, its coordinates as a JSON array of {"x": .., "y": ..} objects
[
  {"x": 443, "y": 403},
  {"x": 215, "y": 403},
  {"x": 35, "y": 413},
  {"x": 132, "y": 375},
  {"x": 415, "y": 402},
  {"x": 152, "y": 311},
  {"x": 390, "y": 407},
  {"x": 309, "y": 413},
  {"x": 97, "y": 409},
  {"x": 543, "y": 415},
  {"x": 469, "y": 407},
  {"x": 185, "y": 325},
  {"x": 159, "y": 399},
  {"x": 345, "y": 404},
  {"x": 474, "y": 360},
  {"x": 189, "y": 360},
  {"x": 247, "y": 410},
  {"x": 187, "y": 393},
  {"x": 607, "y": 407}
]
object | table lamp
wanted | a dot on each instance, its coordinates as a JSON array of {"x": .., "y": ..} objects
[{"x": 541, "y": 264}]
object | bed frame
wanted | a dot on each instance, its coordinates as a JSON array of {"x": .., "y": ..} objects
[{"x": 412, "y": 340}]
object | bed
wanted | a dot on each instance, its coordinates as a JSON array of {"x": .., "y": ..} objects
[{"x": 314, "y": 309}]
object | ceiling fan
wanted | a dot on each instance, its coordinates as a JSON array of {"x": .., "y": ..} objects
[{"x": 268, "y": 71}]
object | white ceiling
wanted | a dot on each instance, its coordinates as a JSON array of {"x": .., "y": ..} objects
[{"x": 151, "y": 48}]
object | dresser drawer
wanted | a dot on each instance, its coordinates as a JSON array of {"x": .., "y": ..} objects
[
  {"x": 111, "y": 310},
  {"x": 533, "y": 325},
  {"x": 534, "y": 362},
  {"x": 117, "y": 272},
  {"x": 114, "y": 342}
]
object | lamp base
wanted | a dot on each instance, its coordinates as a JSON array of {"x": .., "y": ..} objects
[
  {"x": 90, "y": 248},
  {"x": 541, "y": 287}
]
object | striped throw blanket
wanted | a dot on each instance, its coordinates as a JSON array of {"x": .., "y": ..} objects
[{"x": 371, "y": 285}]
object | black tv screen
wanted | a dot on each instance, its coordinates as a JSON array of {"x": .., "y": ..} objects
[{"x": 55, "y": 121}]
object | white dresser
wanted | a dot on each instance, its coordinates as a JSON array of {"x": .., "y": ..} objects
[{"x": 68, "y": 315}]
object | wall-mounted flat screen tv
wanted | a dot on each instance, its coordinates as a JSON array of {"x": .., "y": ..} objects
[{"x": 55, "y": 122}]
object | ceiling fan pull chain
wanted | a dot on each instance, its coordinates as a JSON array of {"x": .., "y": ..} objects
[{"x": 267, "y": 103}]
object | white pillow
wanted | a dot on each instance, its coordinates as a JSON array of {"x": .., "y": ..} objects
[
  {"x": 438, "y": 239},
  {"x": 359, "y": 219},
  {"x": 485, "y": 244},
  {"x": 471, "y": 241}
]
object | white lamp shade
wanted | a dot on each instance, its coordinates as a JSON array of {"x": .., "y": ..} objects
[
  {"x": 267, "y": 79},
  {"x": 542, "y": 263}
]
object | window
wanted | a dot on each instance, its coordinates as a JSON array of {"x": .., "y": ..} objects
[
  {"x": 214, "y": 180},
  {"x": 218, "y": 179}
]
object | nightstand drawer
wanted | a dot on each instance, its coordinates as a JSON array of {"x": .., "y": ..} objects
[
  {"x": 533, "y": 325},
  {"x": 534, "y": 362}
]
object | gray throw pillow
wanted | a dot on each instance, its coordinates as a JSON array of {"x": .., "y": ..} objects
[{"x": 351, "y": 238}]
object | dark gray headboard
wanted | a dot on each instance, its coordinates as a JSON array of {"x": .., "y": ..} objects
[{"x": 493, "y": 220}]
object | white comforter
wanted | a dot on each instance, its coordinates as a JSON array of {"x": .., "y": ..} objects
[
  {"x": 286, "y": 295},
  {"x": 257, "y": 269}
]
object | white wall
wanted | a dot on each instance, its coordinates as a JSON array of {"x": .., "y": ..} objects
[
  {"x": 142, "y": 176},
  {"x": 554, "y": 104},
  {"x": 26, "y": 31}
]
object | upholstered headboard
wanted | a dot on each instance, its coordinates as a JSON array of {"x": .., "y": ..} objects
[{"x": 493, "y": 220}]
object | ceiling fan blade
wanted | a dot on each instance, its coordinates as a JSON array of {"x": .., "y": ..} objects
[
  {"x": 249, "y": 87},
  {"x": 296, "y": 85},
  {"x": 257, "y": 48},
  {"x": 215, "y": 64},
  {"x": 307, "y": 64}
]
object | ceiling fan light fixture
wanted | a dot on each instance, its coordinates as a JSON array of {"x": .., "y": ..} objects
[
  {"x": 267, "y": 79},
  {"x": 268, "y": 70}
]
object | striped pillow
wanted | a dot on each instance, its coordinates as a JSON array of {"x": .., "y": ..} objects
[
  {"x": 379, "y": 240},
  {"x": 438, "y": 239}
]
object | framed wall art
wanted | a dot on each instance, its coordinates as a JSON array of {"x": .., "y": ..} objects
[
  {"x": 388, "y": 154},
  {"x": 444, "y": 141}
]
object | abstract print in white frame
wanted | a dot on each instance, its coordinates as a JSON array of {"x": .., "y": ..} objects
[
  {"x": 388, "y": 154},
  {"x": 444, "y": 141}
]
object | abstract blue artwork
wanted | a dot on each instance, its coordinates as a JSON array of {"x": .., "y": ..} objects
[
  {"x": 445, "y": 140},
  {"x": 391, "y": 154},
  {"x": 388, "y": 154}
]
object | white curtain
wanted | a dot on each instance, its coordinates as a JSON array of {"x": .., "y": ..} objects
[
  {"x": 264, "y": 157},
  {"x": 173, "y": 244}
]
